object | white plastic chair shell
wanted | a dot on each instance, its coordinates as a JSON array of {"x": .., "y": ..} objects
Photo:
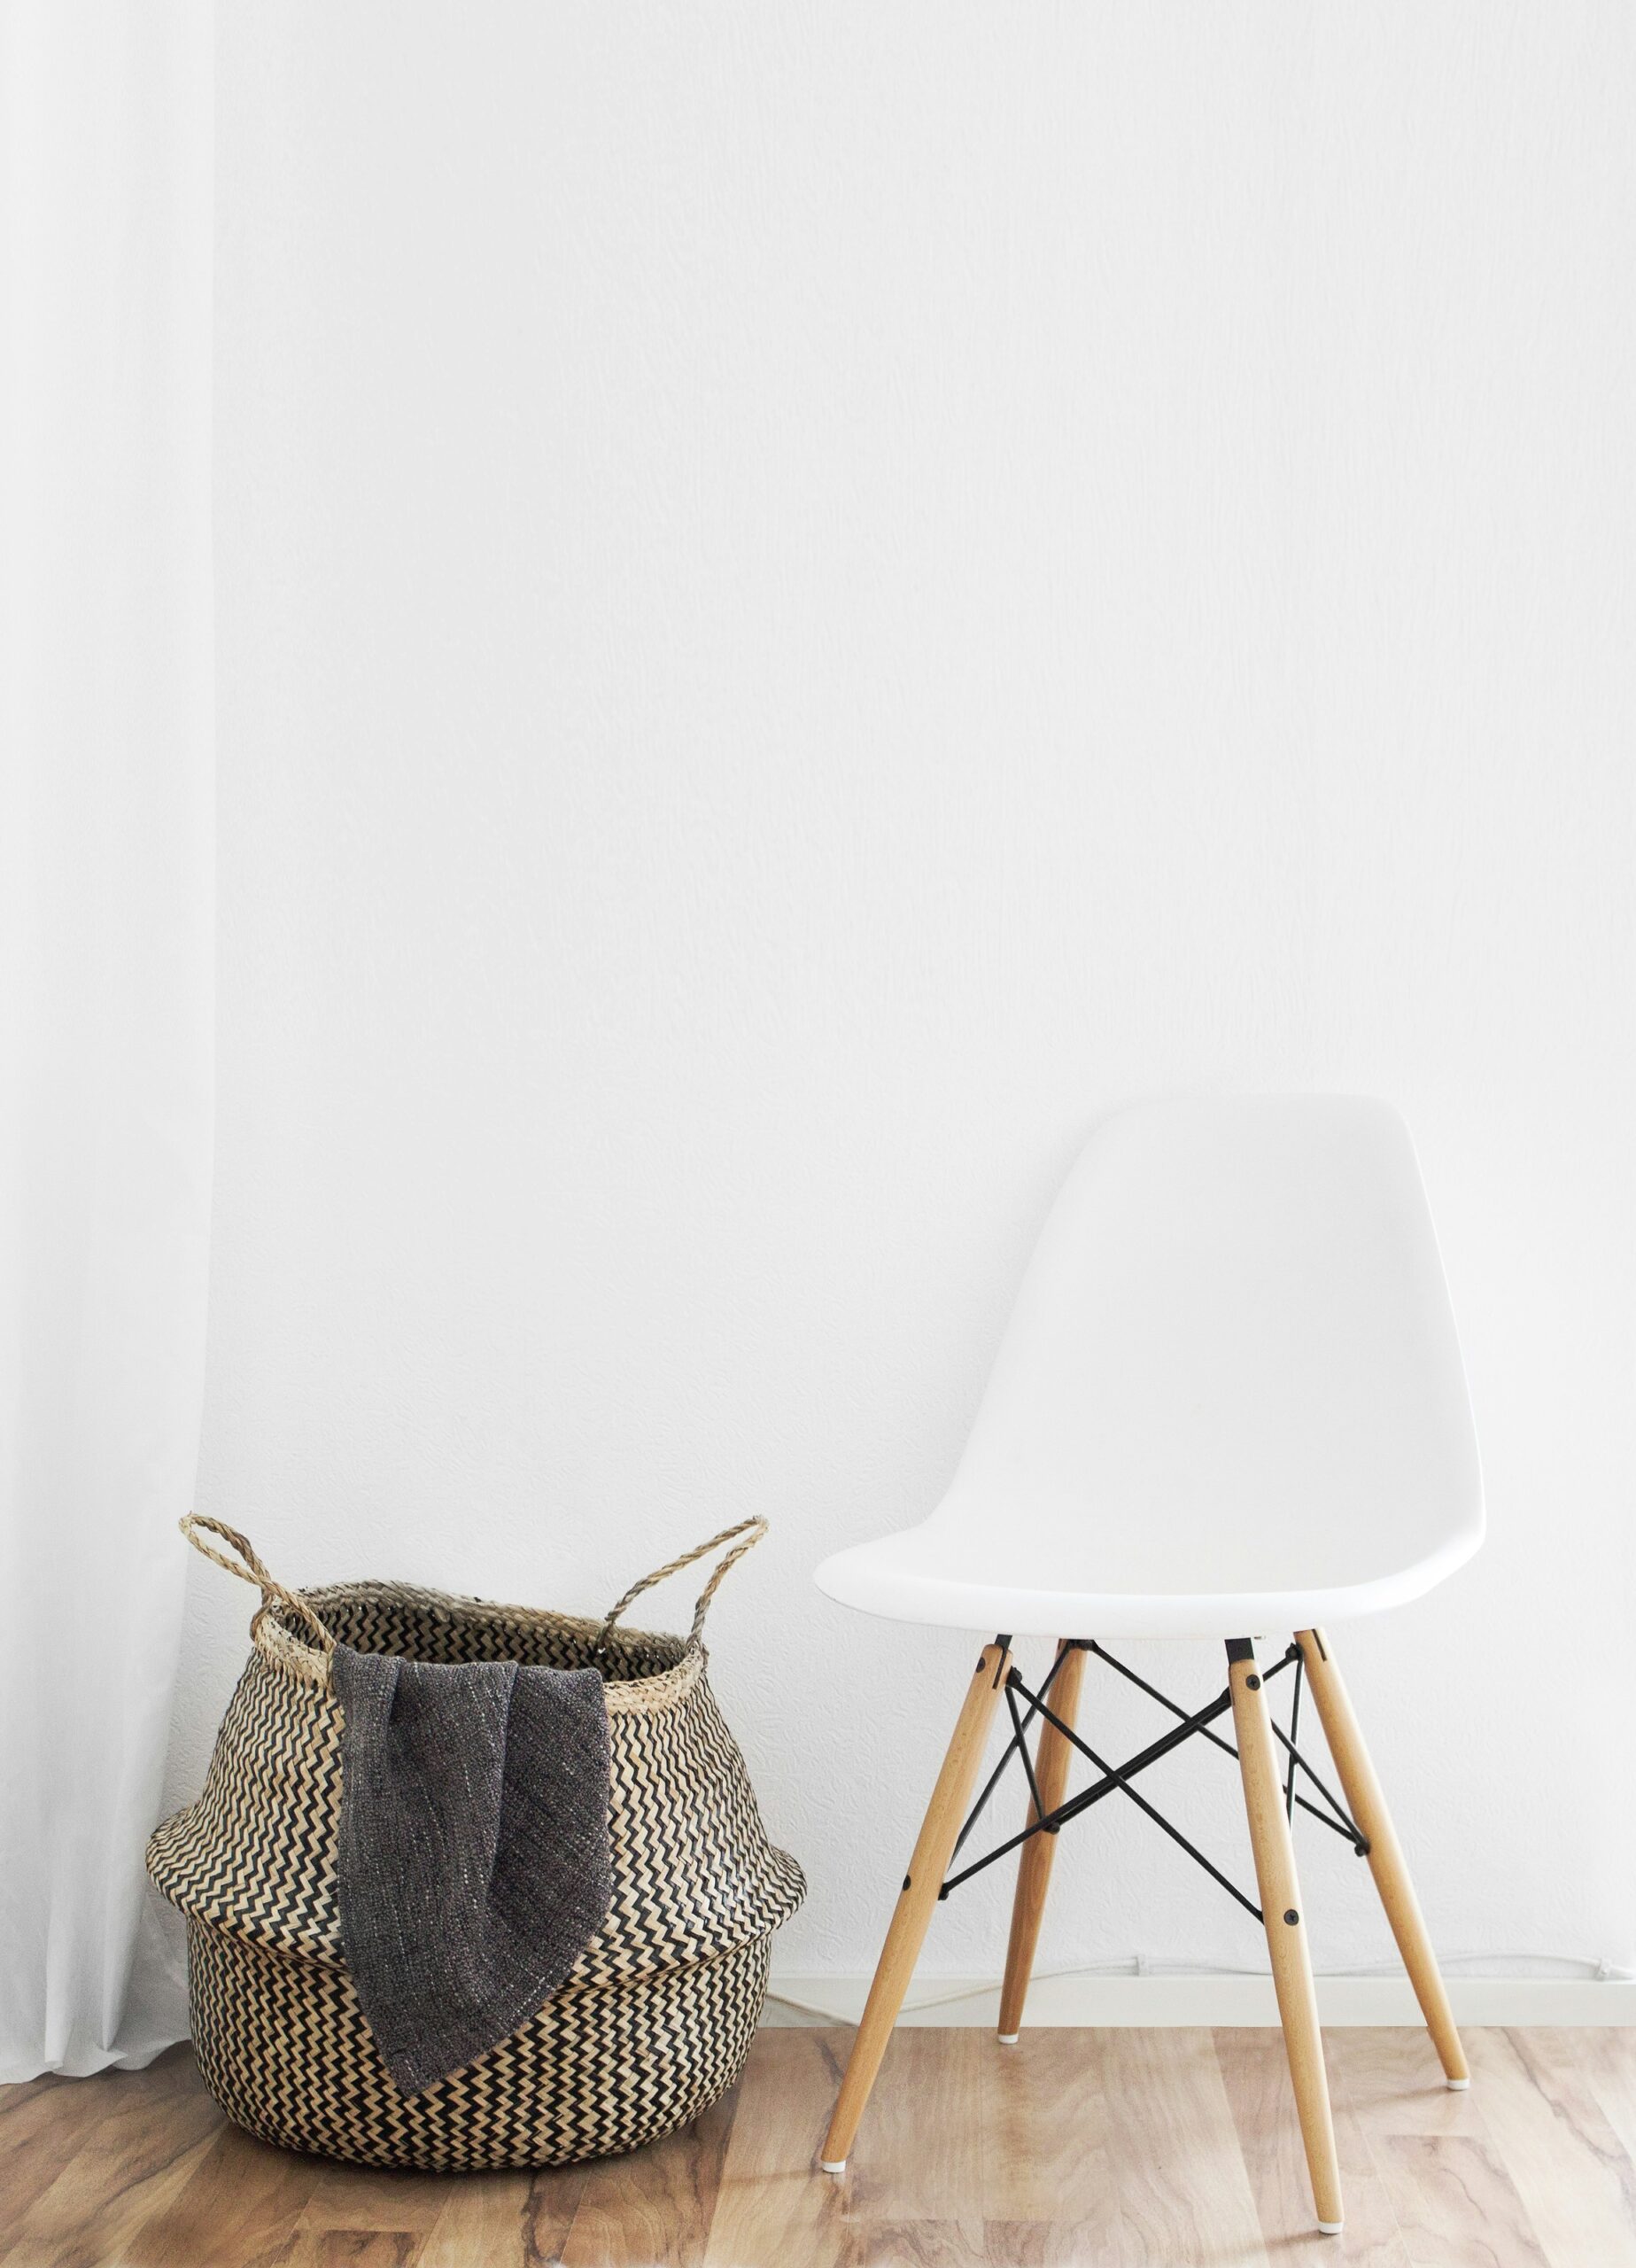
[{"x": 1230, "y": 1398}]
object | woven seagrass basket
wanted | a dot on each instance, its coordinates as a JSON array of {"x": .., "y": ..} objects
[{"x": 656, "y": 2015}]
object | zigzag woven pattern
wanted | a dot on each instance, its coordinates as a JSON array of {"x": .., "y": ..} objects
[
  {"x": 655, "y": 2018},
  {"x": 284, "y": 2048}
]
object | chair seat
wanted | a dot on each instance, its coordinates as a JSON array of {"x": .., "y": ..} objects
[{"x": 1132, "y": 1590}]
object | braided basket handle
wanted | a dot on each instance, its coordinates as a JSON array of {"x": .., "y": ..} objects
[
  {"x": 752, "y": 1530},
  {"x": 249, "y": 1569}
]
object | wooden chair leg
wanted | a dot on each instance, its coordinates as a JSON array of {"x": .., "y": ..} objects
[
  {"x": 1051, "y": 1771},
  {"x": 1368, "y": 1806},
  {"x": 915, "y": 1902},
  {"x": 1286, "y": 1930}
]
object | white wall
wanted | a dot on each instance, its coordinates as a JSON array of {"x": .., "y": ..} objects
[{"x": 809, "y": 597}]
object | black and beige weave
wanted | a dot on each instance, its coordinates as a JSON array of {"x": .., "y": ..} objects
[{"x": 652, "y": 2021}]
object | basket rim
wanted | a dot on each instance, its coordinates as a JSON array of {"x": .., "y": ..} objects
[{"x": 278, "y": 1641}]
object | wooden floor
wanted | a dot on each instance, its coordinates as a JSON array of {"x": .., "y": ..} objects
[{"x": 1118, "y": 2148}]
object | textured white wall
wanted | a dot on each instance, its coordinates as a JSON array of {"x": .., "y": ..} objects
[{"x": 809, "y": 597}]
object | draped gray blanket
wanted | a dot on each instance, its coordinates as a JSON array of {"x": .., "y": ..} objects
[{"x": 473, "y": 1856}]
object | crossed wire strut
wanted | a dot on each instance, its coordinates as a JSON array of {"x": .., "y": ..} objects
[{"x": 1330, "y": 1810}]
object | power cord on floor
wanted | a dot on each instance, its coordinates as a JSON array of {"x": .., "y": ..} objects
[{"x": 1600, "y": 1971}]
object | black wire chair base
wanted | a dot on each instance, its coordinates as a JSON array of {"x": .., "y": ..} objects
[{"x": 1198, "y": 1722}]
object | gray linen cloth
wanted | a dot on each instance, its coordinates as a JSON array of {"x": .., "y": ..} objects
[{"x": 473, "y": 1857}]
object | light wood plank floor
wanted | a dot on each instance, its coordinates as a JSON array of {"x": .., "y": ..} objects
[{"x": 1112, "y": 2149}]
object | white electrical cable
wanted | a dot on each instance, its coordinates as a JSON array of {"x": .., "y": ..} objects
[{"x": 1601, "y": 1970}]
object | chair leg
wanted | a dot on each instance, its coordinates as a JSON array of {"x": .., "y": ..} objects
[
  {"x": 1368, "y": 1806},
  {"x": 1286, "y": 1931},
  {"x": 1051, "y": 1771},
  {"x": 915, "y": 1902}
]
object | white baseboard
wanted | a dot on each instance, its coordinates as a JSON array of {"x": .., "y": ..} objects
[{"x": 1101, "y": 2000}]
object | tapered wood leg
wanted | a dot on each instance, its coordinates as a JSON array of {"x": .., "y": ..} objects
[
  {"x": 915, "y": 1902},
  {"x": 1368, "y": 1806},
  {"x": 1051, "y": 1770},
  {"x": 1286, "y": 1928}
]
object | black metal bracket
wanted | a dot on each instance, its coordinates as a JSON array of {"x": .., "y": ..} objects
[{"x": 1333, "y": 1814}]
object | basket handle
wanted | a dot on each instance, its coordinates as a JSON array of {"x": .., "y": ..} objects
[
  {"x": 752, "y": 1530},
  {"x": 252, "y": 1571}
]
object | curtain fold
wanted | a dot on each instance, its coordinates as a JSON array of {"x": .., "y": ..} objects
[{"x": 106, "y": 855}]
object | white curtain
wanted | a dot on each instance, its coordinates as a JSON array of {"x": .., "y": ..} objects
[{"x": 106, "y": 834}]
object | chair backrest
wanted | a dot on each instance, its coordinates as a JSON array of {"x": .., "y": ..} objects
[{"x": 1233, "y": 1334}]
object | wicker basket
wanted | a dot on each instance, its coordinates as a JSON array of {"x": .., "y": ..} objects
[{"x": 657, "y": 2013}]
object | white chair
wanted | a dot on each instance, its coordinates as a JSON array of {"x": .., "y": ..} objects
[{"x": 1230, "y": 1401}]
